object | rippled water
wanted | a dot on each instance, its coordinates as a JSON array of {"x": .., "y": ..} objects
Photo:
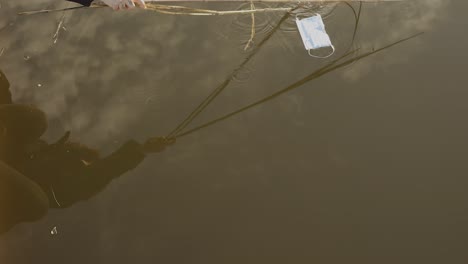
[{"x": 366, "y": 164}]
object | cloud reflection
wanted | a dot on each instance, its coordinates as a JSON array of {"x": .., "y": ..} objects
[{"x": 108, "y": 67}]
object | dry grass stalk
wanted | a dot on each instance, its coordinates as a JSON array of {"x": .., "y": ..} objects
[
  {"x": 252, "y": 31},
  {"x": 173, "y": 10}
]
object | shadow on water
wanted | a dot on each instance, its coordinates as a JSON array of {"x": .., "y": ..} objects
[
  {"x": 316, "y": 176},
  {"x": 36, "y": 175}
]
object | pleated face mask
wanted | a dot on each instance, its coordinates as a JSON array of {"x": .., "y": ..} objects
[{"x": 314, "y": 35}]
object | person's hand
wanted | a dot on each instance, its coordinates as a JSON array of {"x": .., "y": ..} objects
[
  {"x": 124, "y": 4},
  {"x": 157, "y": 144}
]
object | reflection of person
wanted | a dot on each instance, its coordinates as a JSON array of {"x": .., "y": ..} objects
[
  {"x": 115, "y": 4},
  {"x": 36, "y": 176}
]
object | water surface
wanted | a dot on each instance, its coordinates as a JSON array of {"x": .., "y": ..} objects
[{"x": 364, "y": 165}]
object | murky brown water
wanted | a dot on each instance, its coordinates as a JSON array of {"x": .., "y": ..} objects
[{"x": 365, "y": 165}]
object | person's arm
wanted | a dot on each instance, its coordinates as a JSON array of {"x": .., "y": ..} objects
[
  {"x": 125, "y": 159},
  {"x": 100, "y": 173},
  {"x": 89, "y": 179}
]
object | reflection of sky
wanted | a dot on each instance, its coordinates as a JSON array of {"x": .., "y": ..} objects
[
  {"x": 368, "y": 170},
  {"x": 121, "y": 65},
  {"x": 403, "y": 19}
]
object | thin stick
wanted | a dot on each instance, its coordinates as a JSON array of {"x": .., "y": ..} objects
[
  {"x": 60, "y": 26},
  {"x": 169, "y": 9},
  {"x": 180, "y": 10},
  {"x": 252, "y": 32},
  {"x": 50, "y": 10}
]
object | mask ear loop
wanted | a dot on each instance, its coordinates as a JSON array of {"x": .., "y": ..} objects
[
  {"x": 323, "y": 57},
  {"x": 315, "y": 56}
]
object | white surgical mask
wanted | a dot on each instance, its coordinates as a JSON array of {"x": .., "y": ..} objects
[{"x": 314, "y": 35}]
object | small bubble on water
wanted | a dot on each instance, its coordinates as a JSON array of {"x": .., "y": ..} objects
[
  {"x": 39, "y": 85},
  {"x": 54, "y": 231},
  {"x": 26, "y": 57}
]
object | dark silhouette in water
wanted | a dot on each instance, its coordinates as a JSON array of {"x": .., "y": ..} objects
[
  {"x": 36, "y": 176},
  {"x": 82, "y": 2}
]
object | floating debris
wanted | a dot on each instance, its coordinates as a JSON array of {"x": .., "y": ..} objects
[
  {"x": 54, "y": 231},
  {"x": 252, "y": 31},
  {"x": 60, "y": 27},
  {"x": 314, "y": 35}
]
